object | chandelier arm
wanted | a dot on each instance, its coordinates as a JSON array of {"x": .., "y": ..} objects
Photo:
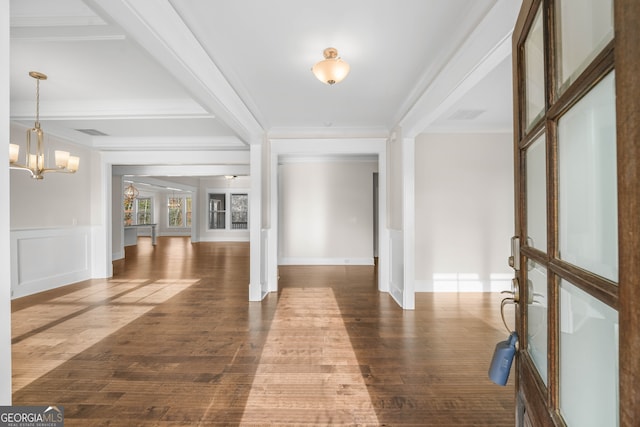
[
  {"x": 22, "y": 168},
  {"x": 59, "y": 170}
]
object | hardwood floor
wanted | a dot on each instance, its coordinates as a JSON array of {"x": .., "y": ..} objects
[{"x": 172, "y": 341}]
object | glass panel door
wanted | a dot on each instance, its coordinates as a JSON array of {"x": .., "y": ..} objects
[{"x": 577, "y": 212}]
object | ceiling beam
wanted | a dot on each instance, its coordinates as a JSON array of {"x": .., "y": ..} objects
[
  {"x": 485, "y": 48},
  {"x": 157, "y": 27}
]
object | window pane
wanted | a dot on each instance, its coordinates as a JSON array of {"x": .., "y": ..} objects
[
  {"x": 217, "y": 211},
  {"x": 537, "y": 317},
  {"x": 534, "y": 72},
  {"x": 188, "y": 211},
  {"x": 143, "y": 210},
  {"x": 584, "y": 27},
  {"x": 588, "y": 359},
  {"x": 175, "y": 212},
  {"x": 588, "y": 213},
  {"x": 239, "y": 211},
  {"x": 537, "y": 195}
]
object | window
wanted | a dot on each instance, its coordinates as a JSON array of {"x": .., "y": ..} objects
[
  {"x": 179, "y": 211},
  {"x": 238, "y": 206},
  {"x": 138, "y": 211}
]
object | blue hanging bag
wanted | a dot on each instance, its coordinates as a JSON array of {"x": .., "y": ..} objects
[{"x": 502, "y": 360}]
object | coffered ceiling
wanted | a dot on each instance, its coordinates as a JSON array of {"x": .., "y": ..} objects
[{"x": 213, "y": 74}]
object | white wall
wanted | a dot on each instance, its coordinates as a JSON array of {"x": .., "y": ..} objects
[
  {"x": 326, "y": 212},
  {"x": 464, "y": 211},
  {"x": 5, "y": 269}
]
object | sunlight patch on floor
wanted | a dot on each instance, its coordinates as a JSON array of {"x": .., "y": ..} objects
[
  {"x": 58, "y": 330},
  {"x": 308, "y": 370}
]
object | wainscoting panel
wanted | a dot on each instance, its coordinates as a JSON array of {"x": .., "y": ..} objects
[{"x": 43, "y": 259}]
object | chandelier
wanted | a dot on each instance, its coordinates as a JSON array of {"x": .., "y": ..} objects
[
  {"x": 332, "y": 69},
  {"x": 131, "y": 192},
  {"x": 34, "y": 162}
]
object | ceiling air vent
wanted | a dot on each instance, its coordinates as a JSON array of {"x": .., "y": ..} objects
[
  {"x": 465, "y": 114},
  {"x": 92, "y": 132}
]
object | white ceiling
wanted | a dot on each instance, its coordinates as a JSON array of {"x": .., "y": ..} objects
[{"x": 213, "y": 74}]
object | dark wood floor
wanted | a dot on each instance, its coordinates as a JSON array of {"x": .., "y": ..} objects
[{"x": 171, "y": 340}]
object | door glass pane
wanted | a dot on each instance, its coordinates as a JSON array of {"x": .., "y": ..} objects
[
  {"x": 537, "y": 195},
  {"x": 584, "y": 27},
  {"x": 239, "y": 211},
  {"x": 588, "y": 214},
  {"x": 537, "y": 317},
  {"x": 534, "y": 71},
  {"x": 217, "y": 211},
  {"x": 588, "y": 359}
]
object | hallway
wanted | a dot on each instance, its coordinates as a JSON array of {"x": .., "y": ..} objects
[{"x": 172, "y": 340}]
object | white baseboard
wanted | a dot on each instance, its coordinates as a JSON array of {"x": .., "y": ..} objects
[
  {"x": 325, "y": 261},
  {"x": 462, "y": 285}
]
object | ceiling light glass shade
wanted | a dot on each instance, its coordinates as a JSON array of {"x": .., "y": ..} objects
[
  {"x": 332, "y": 69},
  {"x": 62, "y": 158}
]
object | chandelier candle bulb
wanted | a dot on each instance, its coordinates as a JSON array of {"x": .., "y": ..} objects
[
  {"x": 14, "y": 152},
  {"x": 73, "y": 163},
  {"x": 62, "y": 158}
]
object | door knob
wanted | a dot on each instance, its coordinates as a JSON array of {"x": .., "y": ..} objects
[{"x": 515, "y": 290}]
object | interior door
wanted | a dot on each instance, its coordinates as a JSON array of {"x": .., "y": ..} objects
[{"x": 577, "y": 215}]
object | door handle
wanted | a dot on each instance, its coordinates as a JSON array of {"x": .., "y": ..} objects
[
  {"x": 514, "y": 298},
  {"x": 514, "y": 259},
  {"x": 514, "y": 292}
]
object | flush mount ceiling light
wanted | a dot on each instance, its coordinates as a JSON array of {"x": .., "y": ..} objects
[
  {"x": 332, "y": 69},
  {"x": 34, "y": 160}
]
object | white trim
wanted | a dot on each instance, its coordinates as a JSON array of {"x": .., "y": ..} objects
[
  {"x": 329, "y": 147},
  {"x": 257, "y": 286},
  {"x": 5, "y": 224},
  {"x": 408, "y": 222},
  {"x": 326, "y": 261},
  {"x": 244, "y": 238}
]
